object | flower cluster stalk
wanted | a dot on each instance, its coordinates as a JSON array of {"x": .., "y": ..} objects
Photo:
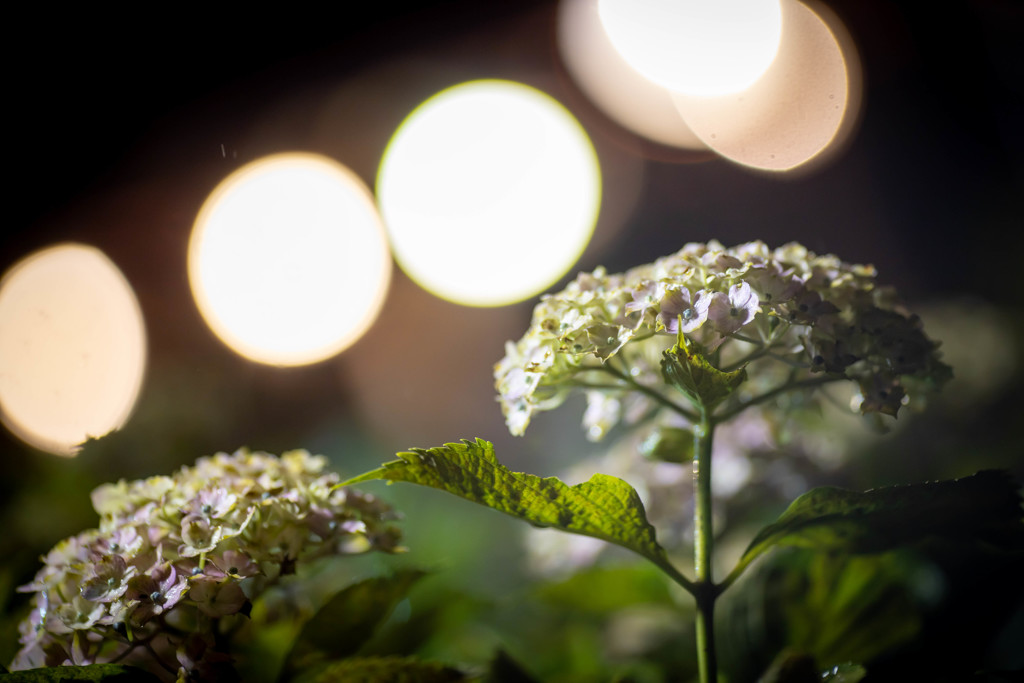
[{"x": 703, "y": 549}]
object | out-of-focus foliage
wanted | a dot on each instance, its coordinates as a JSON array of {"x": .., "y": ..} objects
[{"x": 985, "y": 507}]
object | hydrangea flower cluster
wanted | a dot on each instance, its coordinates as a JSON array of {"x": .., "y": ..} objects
[
  {"x": 174, "y": 555},
  {"x": 797, "y": 318}
]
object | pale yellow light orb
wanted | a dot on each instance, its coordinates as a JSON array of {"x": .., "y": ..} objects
[
  {"x": 72, "y": 348},
  {"x": 490, "y": 191},
  {"x": 288, "y": 261},
  {"x": 697, "y": 47}
]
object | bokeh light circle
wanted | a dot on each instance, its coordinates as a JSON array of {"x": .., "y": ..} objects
[
  {"x": 801, "y": 110},
  {"x": 490, "y": 191},
  {"x": 72, "y": 348},
  {"x": 619, "y": 90},
  {"x": 695, "y": 47},
  {"x": 288, "y": 260}
]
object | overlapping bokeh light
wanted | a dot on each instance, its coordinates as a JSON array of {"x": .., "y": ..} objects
[
  {"x": 288, "y": 261},
  {"x": 695, "y": 46},
  {"x": 490, "y": 191},
  {"x": 619, "y": 90},
  {"x": 803, "y": 107},
  {"x": 72, "y": 347},
  {"x": 770, "y": 84}
]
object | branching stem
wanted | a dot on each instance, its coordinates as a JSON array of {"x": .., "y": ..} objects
[
  {"x": 651, "y": 393},
  {"x": 772, "y": 393}
]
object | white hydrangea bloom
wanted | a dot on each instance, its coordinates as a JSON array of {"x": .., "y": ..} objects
[
  {"x": 775, "y": 312},
  {"x": 203, "y": 542}
]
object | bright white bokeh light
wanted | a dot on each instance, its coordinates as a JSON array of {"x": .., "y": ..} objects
[
  {"x": 72, "y": 348},
  {"x": 696, "y": 47},
  {"x": 288, "y": 261},
  {"x": 490, "y": 191},
  {"x": 619, "y": 90}
]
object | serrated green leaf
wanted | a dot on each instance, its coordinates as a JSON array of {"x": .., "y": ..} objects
[
  {"x": 984, "y": 506},
  {"x": 348, "y": 620},
  {"x": 391, "y": 669},
  {"x": 107, "y": 673},
  {"x": 685, "y": 367},
  {"x": 604, "y": 507}
]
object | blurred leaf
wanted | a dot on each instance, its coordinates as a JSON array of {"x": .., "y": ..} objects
[
  {"x": 669, "y": 444},
  {"x": 985, "y": 506},
  {"x": 504, "y": 669},
  {"x": 854, "y": 608},
  {"x": 348, "y": 620},
  {"x": 685, "y": 367},
  {"x": 830, "y": 607},
  {"x": 601, "y": 590},
  {"x": 799, "y": 667},
  {"x": 391, "y": 669},
  {"x": 108, "y": 673},
  {"x": 604, "y": 507},
  {"x": 791, "y": 667},
  {"x": 844, "y": 673}
]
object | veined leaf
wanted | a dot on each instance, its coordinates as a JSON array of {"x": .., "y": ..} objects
[
  {"x": 347, "y": 621},
  {"x": 685, "y": 367},
  {"x": 985, "y": 506},
  {"x": 604, "y": 507}
]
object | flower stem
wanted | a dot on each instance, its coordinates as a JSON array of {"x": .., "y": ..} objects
[
  {"x": 648, "y": 391},
  {"x": 781, "y": 389},
  {"x": 705, "y": 590}
]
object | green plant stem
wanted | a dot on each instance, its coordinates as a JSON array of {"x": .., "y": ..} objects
[
  {"x": 703, "y": 544},
  {"x": 648, "y": 391},
  {"x": 772, "y": 393}
]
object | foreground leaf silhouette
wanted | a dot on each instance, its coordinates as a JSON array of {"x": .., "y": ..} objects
[
  {"x": 984, "y": 507},
  {"x": 604, "y": 507}
]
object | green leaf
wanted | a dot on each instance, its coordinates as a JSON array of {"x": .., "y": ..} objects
[
  {"x": 984, "y": 506},
  {"x": 669, "y": 444},
  {"x": 348, "y": 620},
  {"x": 605, "y": 590},
  {"x": 844, "y": 673},
  {"x": 848, "y": 608},
  {"x": 392, "y": 669},
  {"x": 107, "y": 673},
  {"x": 685, "y": 367},
  {"x": 799, "y": 667},
  {"x": 604, "y": 507}
]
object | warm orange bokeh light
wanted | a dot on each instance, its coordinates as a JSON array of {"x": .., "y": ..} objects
[
  {"x": 288, "y": 261},
  {"x": 72, "y": 347},
  {"x": 804, "y": 105}
]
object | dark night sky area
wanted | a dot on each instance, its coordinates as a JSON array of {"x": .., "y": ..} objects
[{"x": 117, "y": 122}]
